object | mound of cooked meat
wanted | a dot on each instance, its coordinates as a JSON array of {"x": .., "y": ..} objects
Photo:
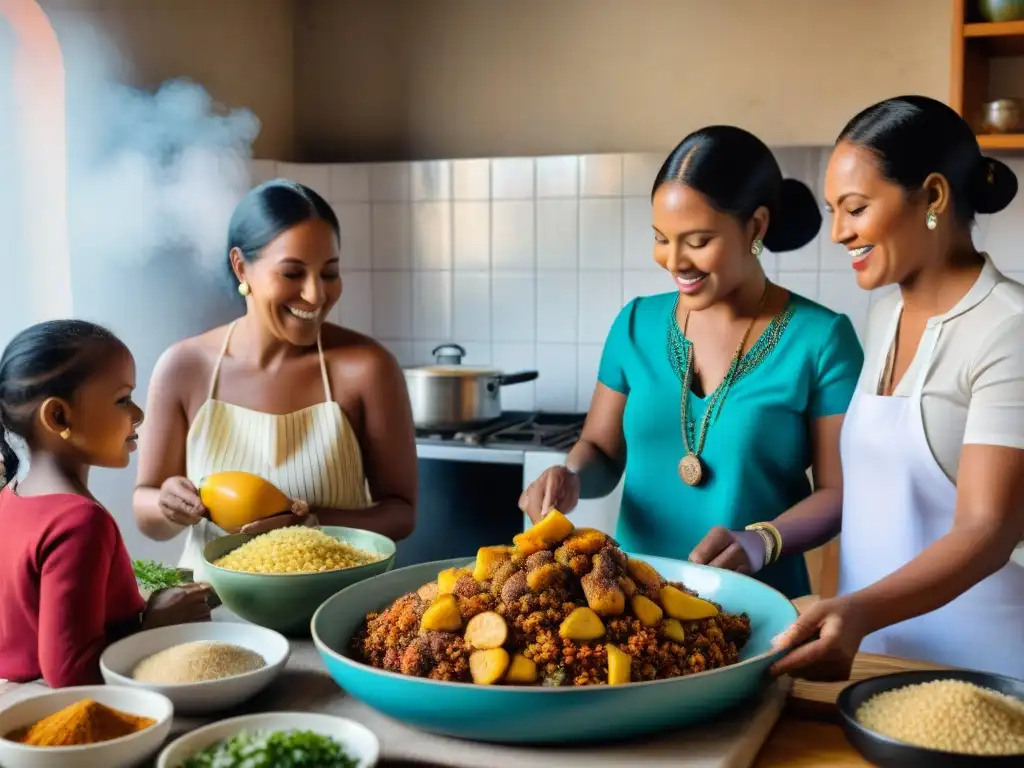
[{"x": 562, "y": 606}]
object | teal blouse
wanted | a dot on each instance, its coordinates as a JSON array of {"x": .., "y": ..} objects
[{"x": 758, "y": 447}]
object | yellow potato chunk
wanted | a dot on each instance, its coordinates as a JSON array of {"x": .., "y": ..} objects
[
  {"x": 543, "y": 577},
  {"x": 628, "y": 586},
  {"x": 586, "y": 541},
  {"x": 521, "y": 670},
  {"x": 582, "y": 625},
  {"x": 428, "y": 592},
  {"x": 644, "y": 574},
  {"x": 488, "y": 667},
  {"x": 684, "y": 607},
  {"x": 673, "y": 630},
  {"x": 448, "y": 578},
  {"x": 488, "y": 560},
  {"x": 442, "y": 615},
  {"x": 603, "y": 595},
  {"x": 619, "y": 664},
  {"x": 551, "y": 529},
  {"x": 648, "y": 611},
  {"x": 526, "y": 545},
  {"x": 486, "y": 630}
]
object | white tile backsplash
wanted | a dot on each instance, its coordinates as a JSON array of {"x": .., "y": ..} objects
[
  {"x": 392, "y": 305},
  {"x": 600, "y": 301},
  {"x": 512, "y": 178},
  {"x": 389, "y": 182},
  {"x": 431, "y": 180},
  {"x": 557, "y": 177},
  {"x": 350, "y": 183},
  {"x": 431, "y": 305},
  {"x": 471, "y": 235},
  {"x": 471, "y": 179},
  {"x": 471, "y": 306},
  {"x": 601, "y": 233},
  {"x": 432, "y": 235},
  {"x": 601, "y": 176},
  {"x": 513, "y": 306},
  {"x": 354, "y": 221},
  {"x": 391, "y": 236},
  {"x": 512, "y": 234},
  {"x": 525, "y": 262},
  {"x": 557, "y": 234}
]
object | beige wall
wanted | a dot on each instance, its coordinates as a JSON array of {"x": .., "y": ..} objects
[
  {"x": 394, "y": 79},
  {"x": 398, "y": 79},
  {"x": 241, "y": 51}
]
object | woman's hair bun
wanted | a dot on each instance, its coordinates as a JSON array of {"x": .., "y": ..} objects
[
  {"x": 993, "y": 186},
  {"x": 797, "y": 221}
]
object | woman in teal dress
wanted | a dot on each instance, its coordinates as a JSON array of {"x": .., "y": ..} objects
[{"x": 719, "y": 475}]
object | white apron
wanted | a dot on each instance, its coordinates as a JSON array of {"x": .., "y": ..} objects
[{"x": 897, "y": 501}]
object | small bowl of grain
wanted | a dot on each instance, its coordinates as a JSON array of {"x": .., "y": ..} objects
[
  {"x": 278, "y": 579},
  {"x": 936, "y": 719},
  {"x": 201, "y": 667}
]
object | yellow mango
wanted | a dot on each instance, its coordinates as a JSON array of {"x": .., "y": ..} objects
[
  {"x": 551, "y": 529},
  {"x": 546, "y": 576},
  {"x": 239, "y": 498},
  {"x": 582, "y": 625},
  {"x": 527, "y": 544},
  {"x": 488, "y": 560},
  {"x": 448, "y": 578},
  {"x": 648, "y": 611},
  {"x": 619, "y": 663},
  {"x": 644, "y": 574},
  {"x": 604, "y": 596},
  {"x": 521, "y": 670},
  {"x": 680, "y": 605},
  {"x": 488, "y": 667},
  {"x": 442, "y": 615},
  {"x": 673, "y": 630}
]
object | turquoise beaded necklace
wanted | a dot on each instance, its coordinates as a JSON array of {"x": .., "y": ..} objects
[{"x": 680, "y": 352}]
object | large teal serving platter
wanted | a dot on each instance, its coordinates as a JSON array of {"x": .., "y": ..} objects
[
  {"x": 536, "y": 715},
  {"x": 285, "y": 602}
]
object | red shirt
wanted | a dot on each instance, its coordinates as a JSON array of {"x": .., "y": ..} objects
[{"x": 66, "y": 585}]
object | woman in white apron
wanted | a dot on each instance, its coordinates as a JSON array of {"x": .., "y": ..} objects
[
  {"x": 933, "y": 443},
  {"x": 320, "y": 411}
]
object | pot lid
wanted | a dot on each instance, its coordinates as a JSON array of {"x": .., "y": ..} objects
[{"x": 452, "y": 370}]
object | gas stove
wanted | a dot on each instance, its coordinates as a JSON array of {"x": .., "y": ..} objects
[{"x": 522, "y": 430}]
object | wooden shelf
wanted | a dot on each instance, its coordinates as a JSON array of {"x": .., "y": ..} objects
[
  {"x": 1001, "y": 141},
  {"x": 1005, "y": 38}
]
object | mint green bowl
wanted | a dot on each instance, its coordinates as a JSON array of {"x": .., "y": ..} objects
[
  {"x": 532, "y": 714},
  {"x": 286, "y": 602}
]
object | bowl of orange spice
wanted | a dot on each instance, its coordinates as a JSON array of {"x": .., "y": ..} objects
[{"x": 97, "y": 725}]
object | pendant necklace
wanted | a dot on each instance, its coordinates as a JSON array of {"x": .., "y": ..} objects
[{"x": 691, "y": 469}]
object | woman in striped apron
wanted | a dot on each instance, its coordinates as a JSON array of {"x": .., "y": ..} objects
[{"x": 319, "y": 411}]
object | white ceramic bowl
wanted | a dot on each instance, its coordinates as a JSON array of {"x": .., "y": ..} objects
[
  {"x": 118, "y": 661},
  {"x": 127, "y": 751},
  {"x": 358, "y": 740}
]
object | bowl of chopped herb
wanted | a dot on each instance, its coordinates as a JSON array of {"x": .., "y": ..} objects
[
  {"x": 152, "y": 576},
  {"x": 323, "y": 741}
]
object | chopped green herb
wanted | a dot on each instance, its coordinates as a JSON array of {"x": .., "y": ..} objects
[
  {"x": 153, "y": 576},
  {"x": 276, "y": 749}
]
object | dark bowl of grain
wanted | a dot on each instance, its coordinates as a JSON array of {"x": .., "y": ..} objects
[{"x": 936, "y": 719}]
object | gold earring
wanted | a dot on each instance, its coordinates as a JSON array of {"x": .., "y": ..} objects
[
  {"x": 756, "y": 247},
  {"x": 66, "y": 434},
  {"x": 243, "y": 288},
  {"x": 931, "y": 220}
]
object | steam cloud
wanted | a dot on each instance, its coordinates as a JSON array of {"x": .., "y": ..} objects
[{"x": 150, "y": 173}]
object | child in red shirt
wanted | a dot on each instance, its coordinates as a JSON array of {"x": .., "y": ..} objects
[{"x": 67, "y": 589}]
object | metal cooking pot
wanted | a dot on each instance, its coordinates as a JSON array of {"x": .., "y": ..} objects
[{"x": 448, "y": 395}]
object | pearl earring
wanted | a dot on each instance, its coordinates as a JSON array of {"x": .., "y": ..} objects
[
  {"x": 931, "y": 220},
  {"x": 756, "y": 247},
  {"x": 243, "y": 288}
]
